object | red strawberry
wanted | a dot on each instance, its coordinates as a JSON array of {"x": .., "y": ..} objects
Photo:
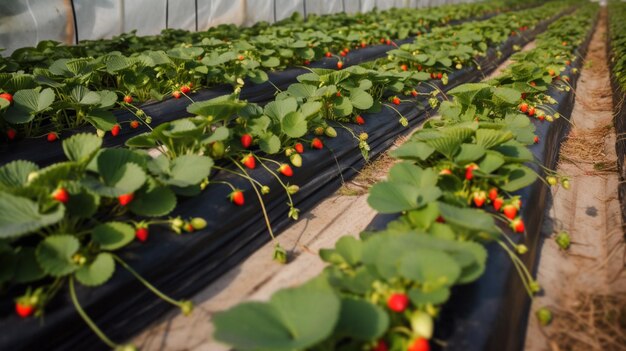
[
  {"x": 510, "y": 211},
  {"x": 185, "y": 89},
  {"x": 328, "y": 54},
  {"x": 141, "y": 234},
  {"x": 128, "y": 99},
  {"x": 497, "y": 203},
  {"x": 388, "y": 42},
  {"x": 24, "y": 310},
  {"x": 134, "y": 124},
  {"x": 339, "y": 65},
  {"x": 115, "y": 130},
  {"x": 419, "y": 344},
  {"x": 396, "y": 100},
  {"x": 524, "y": 95},
  {"x": 61, "y": 195},
  {"x": 363, "y": 44},
  {"x": 404, "y": 67},
  {"x": 249, "y": 161},
  {"x": 338, "y": 94},
  {"x": 246, "y": 140},
  {"x": 236, "y": 197},
  {"x": 536, "y": 139},
  {"x": 381, "y": 346},
  {"x": 317, "y": 143},
  {"x": 125, "y": 199},
  {"x": 307, "y": 62},
  {"x": 433, "y": 75},
  {"x": 479, "y": 198},
  {"x": 299, "y": 148},
  {"x": 531, "y": 111},
  {"x": 52, "y": 136},
  {"x": 285, "y": 170},
  {"x": 517, "y": 225},
  {"x": 359, "y": 120},
  {"x": 11, "y": 133},
  {"x": 440, "y": 219},
  {"x": 8, "y": 97},
  {"x": 398, "y": 302},
  {"x": 523, "y": 107},
  {"x": 541, "y": 117},
  {"x": 469, "y": 171},
  {"x": 439, "y": 75},
  {"x": 240, "y": 57},
  {"x": 414, "y": 93},
  {"x": 176, "y": 94},
  {"x": 343, "y": 54},
  {"x": 493, "y": 194}
]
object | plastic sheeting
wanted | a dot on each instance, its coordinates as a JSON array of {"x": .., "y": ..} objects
[{"x": 27, "y": 22}]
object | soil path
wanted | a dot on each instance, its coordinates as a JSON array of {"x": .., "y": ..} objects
[{"x": 590, "y": 275}]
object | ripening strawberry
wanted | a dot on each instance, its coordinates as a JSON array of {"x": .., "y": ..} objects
[
  {"x": 493, "y": 194},
  {"x": 363, "y": 44},
  {"x": 8, "y": 97},
  {"x": 396, "y": 100},
  {"x": 523, "y": 107},
  {"x": 517, "y": 225},
  {"x": 398, "y": 302},
  {"x": 328, "y": 54},
  {"x": 61, "y": 195},
  {"x": 343, "y": 53},
  {"x": 134, "y": 124},
  {"x": 23, "y": 309},
  {"x": 419, "y": 344},
  {"x": 185, "y": 89},
  {"x": 531, "y": 111},
  {"x": 246, "y": 141},
  {"x": 316, "y": 143},
  {"x": 141, "y": 234},
  {"x": 414, "y": 93},
  {"x": 249, "y": 161},
  {"x": 176, "y": 94},
  {"x": 382, "y": 40},
  {"x": 445, "y": 171},
  {"x": 388, "y": 41},
  {"x": 568, "y": 62},
  {"x": 125, "y": 199},
  {"x": 115, "y": 130},
  {"x": 439, "y": 75},
  {"x": 381, "y": 346},
  {"x": 469, "y": 171},
  {"x": 510, "y": 211},
  {"x": 338, "y": 94},
  {"x": 479, "y": 198},
  {"x": 128, "y": 99},
  {"x": 240, "y": 57},
  {"x": 404, "y": 67},
  {"x": 339, "y": 65},
  {"x": 536, "y": 139},
  {"x": 307, "y": 62},
  {"x": 11, "y": 133},
  {"x": 299, "y": 148},
  {"x": 236, "y": 197},
  {"x": 497, "y": 203},
  {"x": 52, "y": 136},
  {"x": 285, "y": 170},
  {"x": 551, "y": 72},
  {"x": 533, "y": 84},
  {"x": 359, "y": 120},
  {"x": 433, "y": 75}
]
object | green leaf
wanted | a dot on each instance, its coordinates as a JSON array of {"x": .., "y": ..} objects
[
  {"x": 271, "y": 62},
  {"x": 294, "y": 124},
  {"x": 101, "y": 119},
  {"x": 82, "y": 204},
  {"x": 436, "y": 297},
  {"x": 269, "y": 143},
  {"x": 294, "y": 319},
  {"x": 97, "y": 272},
  {"x": 347, "y": 250},
  {"x": 518, "y": 177},
  {"x": 220, "y": 108},
  {"x": 471, "y": 218},
  {"x": 413, "y": 150},
  {"x": 491, "y": 162},
  {"x": 113, "y": 235},
  {"x": 54, "y": 254},
  {"x": 387, "y": 197},
  {"x": 508, "y": 95},
  {"x": 489, "y": 138},
  {"x": 469, "y": 153},
  {"x": 33, "y": 101},
  {"x": 83, "y": 96},
  {"x": 15, "y": 174},
  {"x": 20, "y": 216},
  {"x": 81, "y": 147},
  {"x": 189, "y": 170},
  {"x": 428, "y": 266},
  {"x": 342, "y": 106},
  {"x": 301, "y": 90},
  {"x": 8, "y": 263},
  {"x": 153, "y": 200},
  {"x": 360, "y": 99},
  {"x": 278, "y": 109},
  {"x": 361, "y": 320}
]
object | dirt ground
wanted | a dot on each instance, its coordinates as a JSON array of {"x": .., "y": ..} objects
[{"x": 585, "y": 286}]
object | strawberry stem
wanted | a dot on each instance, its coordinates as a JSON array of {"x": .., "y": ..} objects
[{"x": 90, "y": 323}]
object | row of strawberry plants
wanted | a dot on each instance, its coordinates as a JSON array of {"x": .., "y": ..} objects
[
  {"x": 75, "y": 90},
  {"x": 384, "y": 290},
  {"x": 81, "y": 185},
  {"x": 617, "y": 57}
]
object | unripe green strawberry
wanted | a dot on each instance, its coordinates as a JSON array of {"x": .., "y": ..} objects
[
  {"x": 422, "y": 324},
  {"x": 552, "y": 180},
  {"x": 296, "y": 160},
  {"x": 566, "y": 184},
  {"x": 563, "y": 240},
  {"x": 217, "y": 150},
  {"x": 280, "y": 254},
  {"x": 289, "y": 151},
  {"x": 265, "y": 190},
  {"x": 186, "y": 307},
  {"x": 292, "y": 189},
  {"x": 544, "y": 316},
  {"x": 330, "y": 132},
  {"x": 198, "y": 223}
]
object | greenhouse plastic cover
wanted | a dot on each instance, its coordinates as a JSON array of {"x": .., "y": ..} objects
[{"x": 27, "y": 22}]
